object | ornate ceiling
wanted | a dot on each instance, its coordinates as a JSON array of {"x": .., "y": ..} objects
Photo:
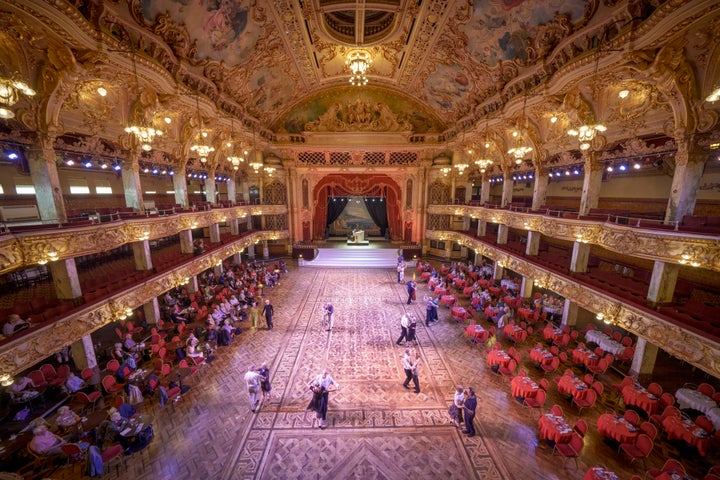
[{"x": 445, "y": 74}]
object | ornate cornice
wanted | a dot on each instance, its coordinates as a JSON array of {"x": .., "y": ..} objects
[
  {"x": 36, "y": 346},
  {"x": 665, "y": 246},
  {"x": 23, "y": 250},
  {"x": 677, "y": 341}
]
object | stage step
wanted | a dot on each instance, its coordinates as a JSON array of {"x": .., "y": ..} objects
[{"x": 355, "y": 256}]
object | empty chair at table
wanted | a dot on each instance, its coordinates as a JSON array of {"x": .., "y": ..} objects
[
  {"x": 632, "y": 417},
  {"x": 640, "y": 449},
  {"x": 571, "y": 449}
]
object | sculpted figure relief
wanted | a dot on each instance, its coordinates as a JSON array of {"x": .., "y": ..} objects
[{"x": 358, "y": 116}]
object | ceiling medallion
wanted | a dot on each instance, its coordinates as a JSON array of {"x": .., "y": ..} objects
[{"x": 358, "y": 61}]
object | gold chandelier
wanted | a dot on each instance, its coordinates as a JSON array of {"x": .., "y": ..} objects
[
  {"x": 257, "y": 162},
  {"x": 358, "y": 61},
  {"x": 484, "y": 162},
  {"x": 201, "y": 148},
  {"x": 145, "y": 134},
  {"x": 519, "y": 151},
  {"x": 232, "y": 158},
  {"x": 10, "y": 90},
  {"x": 587, "y": 132}
]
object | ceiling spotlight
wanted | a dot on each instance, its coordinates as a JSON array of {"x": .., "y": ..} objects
[
  {"x": 558, "y": 173},
  {"x": 530, "y": 176},
  {"x": 12, "y": 156},
  {"x": 636, "y": 166},
  {"x": 567, "y": 173},
  {"x": 101, "y": 91},
  {"x": 553, "y": 119},
  {"x": 168, "y": 120},
  {"x": 170, "y": 172},
  {"x": 155, "y": 170},
  {"x": 116, "y": 166},
  {"x": 146, "y": 170},
  {"x": 623, "y": 93},
  {"x": 576, "y": 171},
  {"x": 103, "y": 165},
  {"x": 87, "y": 164},
  {"x": 69, "y": 162},
  {"x": 609, "y": 168},
  {"x": 622, "y": 167}
]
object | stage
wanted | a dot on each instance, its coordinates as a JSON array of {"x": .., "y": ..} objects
[{"x": 339, "y": 253}]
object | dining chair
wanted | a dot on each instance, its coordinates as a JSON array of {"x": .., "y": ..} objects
[
  {"x": 48, "y": 371},
  {"x": 586, "y": 401},
  {"x": 704, "y": 422},
  {"x": 111, "y": 456},
  {"x": 588, "y": 379},
  {"x": 648, "y": 429},
  {"x": 670, "y": 465},
  {"x": 87, "y": 374},
  {"x": 537, "y": 401},
  {"x": 74, "y": 454},
  {"x": 557, "y": 410},
  {"x": 580, "y": 427},
  {"x": 598, "y": 387},
  {"x": 706, "y": 389},
  {"x": 641, "y": 449},
  {"x": 632, "y": 417},
  {"x": 111, "y": 386},
  {"x": 552, "y": 366},
  {"x": 657, "y": 419},
  {"x": 667, "y": 399},
  {"x": 88, "y": 399},
  {"x": 37, "y": 378},
  {"x": 655, "y": 389},
  {"x": 61, "y": 375},
  {"x": 571, "y": 449},
  {"x": 544, "y": 384},
  {"x": 113, "y": 366}
]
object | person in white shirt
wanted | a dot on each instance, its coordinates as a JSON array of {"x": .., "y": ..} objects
[
  {"x": 320, "y": 387},
  {"x": 404, "y": 323},
  {"x": 252, "y": 381},
  {"x": 407, "y": 366}
]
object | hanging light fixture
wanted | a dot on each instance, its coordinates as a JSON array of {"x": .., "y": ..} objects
[
  {"x": 358, "y": 61},
  {"x": 484, "y": 161},
  {"x": 145, "y": 134},
  {"x": 10, "y": 90},
  {"x": 270, "y": 171},
  {"x": 587, "y": 132},
  {"x": 256, "y": 162},
  {"x": 519, "y": 151},
  {"x": 200, "y": 147},
  {"x": 232, "y": 158}
]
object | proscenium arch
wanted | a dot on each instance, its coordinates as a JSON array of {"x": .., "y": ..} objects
[{"x": 358, "y": 184}]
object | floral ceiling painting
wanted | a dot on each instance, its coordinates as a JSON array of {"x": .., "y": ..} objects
[
  {"x": 224, "y": 29},
  {"x": 500, "y": 30},
  {"x": 448, "y": 87}
]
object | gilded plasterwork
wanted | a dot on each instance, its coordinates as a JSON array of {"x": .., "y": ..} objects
[
  {"x": 681, "y": 343},
  {"x": 39, "y": 344},
  {"x": 665, "y": 246},
  {"x": 24, "y": 250}
]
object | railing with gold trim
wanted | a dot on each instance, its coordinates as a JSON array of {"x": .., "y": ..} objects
[
  {"x": 23, "y": 250},
  {"x": 701, "y": 251},
  {"x": 701, "y": 352},
  {"x": 35, "y": 346}
]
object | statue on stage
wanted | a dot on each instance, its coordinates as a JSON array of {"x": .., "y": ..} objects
[{"x": 358, "y": 235}]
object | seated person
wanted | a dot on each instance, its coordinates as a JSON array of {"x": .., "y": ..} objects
[
  {"x": 14, "y": 324},
  {"x": 66, "y": 417},
  {"x": 21, "y": 384},
  {"x": 177, "y": 315},
  {"x": 131, "y": 345},
  {"x": 74, "y": 384},
  {"x": 108, "y": 432},
  {"x": 118, "y": 353},
  {"x": 44, "y": 442},
  {"x": 199, "y": 247},
  {"x": 170, "y": 301}
]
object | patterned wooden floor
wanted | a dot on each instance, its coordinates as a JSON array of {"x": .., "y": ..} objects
[{"x": 376, "y": 428}]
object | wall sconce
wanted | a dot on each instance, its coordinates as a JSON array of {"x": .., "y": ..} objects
[
  {"x": 51, "y": 257},
  {"x": 689, "y": 259}
]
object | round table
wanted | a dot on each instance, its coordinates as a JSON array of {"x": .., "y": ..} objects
[
  {"x": 616, "y": 427},
  {"x": 522, "y": 386}
]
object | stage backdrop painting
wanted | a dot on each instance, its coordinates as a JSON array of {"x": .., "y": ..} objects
[
  {"x": 361, "y": 186},
  {"x": 354, "y": 216}
]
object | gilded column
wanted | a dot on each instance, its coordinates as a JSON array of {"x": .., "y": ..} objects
[
  {"x": 689, "y": 166},
  {"x": 540, "y": 187},
  {"x": 210, "y": 188},
  {"x": 131, "y": 181},
  {"x": 507, "y": 190},
  {"x": 592, "y": 182},
  {"x": 180, "y": 184},
  {"x": 231, "y": 189},
  {"x": 46, "y": 180}
]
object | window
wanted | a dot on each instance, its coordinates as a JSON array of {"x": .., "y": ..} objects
[
  {"x": 102, "y": 187},
  {"x": 24, "y": 186},
  {"x": 79, "y": 186}
]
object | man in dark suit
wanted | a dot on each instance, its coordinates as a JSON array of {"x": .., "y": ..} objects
[
  {"x": 469, "y": 407},
  {"x": 268, "y": 311}
]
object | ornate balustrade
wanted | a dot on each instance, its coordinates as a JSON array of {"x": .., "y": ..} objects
[
  {"x": 23, "y": 250},
  {"x": 643, "y": 322},
  {"x": 35, "y": 346},
  {"x": 663, "y": 245}
]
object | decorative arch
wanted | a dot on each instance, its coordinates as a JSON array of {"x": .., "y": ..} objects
[{"x": 359, "y": 185}]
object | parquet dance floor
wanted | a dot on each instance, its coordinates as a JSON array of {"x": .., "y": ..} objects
[{"x": 376, "y": 428}]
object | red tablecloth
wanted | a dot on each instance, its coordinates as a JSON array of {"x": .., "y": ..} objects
[
  {"x": 498, "y": 357},
  {"x": 425, "y": 276},
  {"x": 473, "y": 275},
  {"x": 525, "y": 313},
  {"x": 554, "y": 428},
  {"x": 490, "y": 312},
  {"x": 616, "y": 427},
  {"x": 684, "y": 429},
  {"x": 459, "y": 283},
  {"x": 468, "y": 291},
  {"x": 600, "y": 473},
  {"x": 523, "y": 387},
  {"x": 444, "y": 270},
  {"x": 447, "y": 300},
  {"x": 494, "y": 291},
  {"x": 439, "y": 291},
  {"x": 552, "y": 332},
  {"x": 432, "y": 284},
  {"x": 673, "y": 476},
  {"x": 636, "y": 395},
  {"x": 572, "y": 385},
  {"x": 585, "y": 356},
  {"x": 540, "y": 355},
  {"x": 514, "y": 331},
  {"x": 476, "y": 332},
  {"x": 458, "y": 313}
]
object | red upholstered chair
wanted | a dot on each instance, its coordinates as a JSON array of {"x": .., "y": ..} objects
[
  {"x": 571, "y": 449},
  {"x": 111, "y": 386},
  {"x": 112, "y": 455},
  {"x": 598, "y": 387},
  {"x": 88, "y": 399},
  {"x": 37, "y": 378},
  {"x": 632, "y": 417},
  {"x": 670, "y": 410},
  {"x": 509, "y": 370},
  {"x": 649, "y": 429},
  {"x": 552, "y": 366},
  {"x": 670, "y": 465},
  {"x": 641, "y": 449},
  {"x": 61, "y": 376},
  {"x": 580, "y": 427},
  {"x": 557, "y": 410},
  {"x": 113, "y": 366},
  {"x": 544, "y": 384},
  {"x": 48, "y": 372},
  {"x": 704, "y": 422},
  {"x": 706, "y": 389},
  {"x": 655, "y": 389},
  {"x": 586, "y": 401},
  {"x": 537, "y": 401},
  {"x": 87, "y": 374}
]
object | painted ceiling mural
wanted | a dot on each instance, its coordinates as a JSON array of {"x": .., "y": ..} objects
[
  {"x": 224, "y": 29},
  {"x": 501, "y": 30},
  {"x": 405, "y": 109}
]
